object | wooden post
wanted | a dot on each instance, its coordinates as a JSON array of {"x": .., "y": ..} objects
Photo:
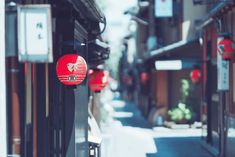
[{"x": 15, "y": 108}]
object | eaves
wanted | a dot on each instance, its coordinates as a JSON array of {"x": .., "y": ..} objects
[{"x": 219, "y": 10}]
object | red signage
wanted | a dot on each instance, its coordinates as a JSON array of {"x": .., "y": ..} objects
[
  {"x": 98, "y": 79},
  {"x": 71, "y": 69}
]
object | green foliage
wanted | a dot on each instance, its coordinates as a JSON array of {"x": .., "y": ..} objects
[
  {"x": 184, "y": 90},
  {"x": 180, "y": 113}
]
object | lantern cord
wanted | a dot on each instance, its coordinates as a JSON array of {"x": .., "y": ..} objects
[{"x": 102, "y": 31}]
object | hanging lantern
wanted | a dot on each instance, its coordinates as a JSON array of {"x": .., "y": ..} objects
[
  {"x": 144, "y": 77},
  {"x": 195, "y": 75},
  {"x": 226, "y": 48},
  {"x": 98, "y": 79},
  {"x": 71, "y": 69}
]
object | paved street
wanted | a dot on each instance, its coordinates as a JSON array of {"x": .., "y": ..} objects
[{"x": 129, "y": 135}]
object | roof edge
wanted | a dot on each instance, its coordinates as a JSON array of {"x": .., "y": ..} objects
[{"x": 167, "y": 48}]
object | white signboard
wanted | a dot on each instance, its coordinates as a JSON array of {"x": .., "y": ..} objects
[
  {"x": 34, "y": 33},
  {"x": 163, "y": 8},
  {"x": 223, "y": 72},
  {"x": 168, "y": 65}
]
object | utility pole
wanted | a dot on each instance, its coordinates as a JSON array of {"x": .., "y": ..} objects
[{"x": 3, "y": 110}]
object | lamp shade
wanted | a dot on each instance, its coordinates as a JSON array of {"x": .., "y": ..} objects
[
  {"x": 226, "y": 48},
  {"x": 98, "y": 79},
  {"x": 144, "y": 77},
  {"x": 71, "y": 69},
  {"x": 195, "y": 76}
]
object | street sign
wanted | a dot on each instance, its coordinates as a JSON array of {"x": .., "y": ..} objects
[
  {"x": 34, "y": 33},
  {"x": 222, "y": 71}
]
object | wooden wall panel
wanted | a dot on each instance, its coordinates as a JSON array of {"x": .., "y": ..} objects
[{"x": 161, "y": 88}]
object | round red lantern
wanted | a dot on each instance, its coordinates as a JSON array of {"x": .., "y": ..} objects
[
  {"x": 195, "y": 76},
  {"x": 71, "y": 69},
  {"x": 98, "y": 79},
  {"x": 226, "y": 48},
  {"x": 144, "y": 77}
]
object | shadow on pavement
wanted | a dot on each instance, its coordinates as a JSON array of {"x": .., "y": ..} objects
[
  {"x": 135, "y": 120},
  {"x": 137, "y": 138},
  {"x": 179, "y": 147}
]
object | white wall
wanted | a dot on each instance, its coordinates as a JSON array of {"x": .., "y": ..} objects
[
  {"x": 3, "y": 130},
  {"x": 190, "y": 14}
]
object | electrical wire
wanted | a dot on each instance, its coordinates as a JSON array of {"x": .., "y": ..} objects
[{"x": 102, "y": 31}]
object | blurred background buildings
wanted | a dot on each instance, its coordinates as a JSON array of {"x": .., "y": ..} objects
[{"x": 174, "y": 59}]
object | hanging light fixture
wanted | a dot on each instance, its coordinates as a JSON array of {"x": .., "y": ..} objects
[
  {"x": 71, "y": 69},
  {"x": 226, "y": 47},
  {"x": 144, "y": 77},
  {"x": 98, "y": 79},
  {"x": 195, "y": 75}
]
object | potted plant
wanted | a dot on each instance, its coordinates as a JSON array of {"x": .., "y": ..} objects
[{"x": 180, "y": 114}]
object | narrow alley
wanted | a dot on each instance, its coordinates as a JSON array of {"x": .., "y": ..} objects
[
  {"x": 130, "y": 135},
  {"x": 117, "y": 78}
]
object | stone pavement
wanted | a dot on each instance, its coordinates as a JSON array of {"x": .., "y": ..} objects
[{"x": 130, "y": 135}]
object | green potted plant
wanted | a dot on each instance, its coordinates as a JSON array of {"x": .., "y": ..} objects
[{"x": 180, "y": 114}]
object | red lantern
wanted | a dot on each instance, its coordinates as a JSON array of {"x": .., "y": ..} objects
[
  {"x": 195, "y": 76},
  {"x": 144, "y": 77},
  {"x": 98, "y": 79},
  {"x": 71, "y": 69},
  {"x": 226, "y": 48}
]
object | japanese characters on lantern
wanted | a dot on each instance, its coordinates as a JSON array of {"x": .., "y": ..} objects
[{"x": 71, "y": 69}]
